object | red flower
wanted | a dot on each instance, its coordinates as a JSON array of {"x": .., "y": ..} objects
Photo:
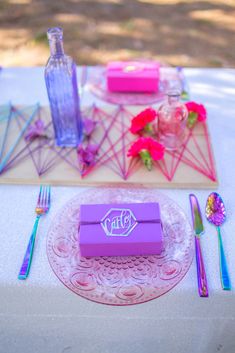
[
  {"x": 140, "y": 121},
  {"x": 155, "y": 149},
  {"x": 148, "y": 149},
  {"x": 199, "y": 109}
]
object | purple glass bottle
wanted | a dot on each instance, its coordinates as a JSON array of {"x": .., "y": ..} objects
[{"x": 61, "y": 82}]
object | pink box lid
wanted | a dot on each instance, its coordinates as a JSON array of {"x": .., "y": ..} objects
[{"x": 133, "y": 68}]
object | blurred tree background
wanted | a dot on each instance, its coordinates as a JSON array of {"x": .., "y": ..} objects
[{"x": 187, "y": 33}]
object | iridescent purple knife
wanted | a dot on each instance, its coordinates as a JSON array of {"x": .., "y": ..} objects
[{"x": 198, "y": 229}]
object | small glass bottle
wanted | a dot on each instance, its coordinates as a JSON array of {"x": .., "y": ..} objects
[
  {"x": 61, "y": 83},
  {"x": 172, "y": 121}
]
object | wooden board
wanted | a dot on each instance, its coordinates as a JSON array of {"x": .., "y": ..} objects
[{"x": 194, "y": 169}]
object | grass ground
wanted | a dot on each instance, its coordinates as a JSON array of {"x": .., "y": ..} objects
[{"x": 187, "y": 33}]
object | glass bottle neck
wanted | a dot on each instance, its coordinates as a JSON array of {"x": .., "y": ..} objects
[
  {"x": 173, "y": 97},
  {"x": 56, "y": 47}
]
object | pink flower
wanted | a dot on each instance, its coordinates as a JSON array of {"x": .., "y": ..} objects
[
  {"x": 89, "y": 126},
  {"x": 36, "y": 130},
  {"x": 87, "y": 155},
  {"x": 148, "y": 149},
  {"x": 199, "y": 109},
  {"x": 140, "y": 121},
  {"x": 155, "y": 149},
  {"x": 202, "y": 114}
]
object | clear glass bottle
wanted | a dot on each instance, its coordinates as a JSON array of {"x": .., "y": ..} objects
[
  {"x": 172, "y": 121},
  {"x": 61, "y": 83}
]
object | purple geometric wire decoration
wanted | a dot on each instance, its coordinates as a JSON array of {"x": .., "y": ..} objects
[{"x": 111, "y": 135}]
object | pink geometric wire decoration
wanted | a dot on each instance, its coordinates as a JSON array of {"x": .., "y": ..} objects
[
  {"x": 112, "y": 137},
  {"x": 123, "y": 280}
]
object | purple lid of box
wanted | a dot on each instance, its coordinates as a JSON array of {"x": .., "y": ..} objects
[{"x": 142, "y": 212}]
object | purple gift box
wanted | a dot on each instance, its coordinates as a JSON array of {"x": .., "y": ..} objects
[{"x": 120, "y": 229}]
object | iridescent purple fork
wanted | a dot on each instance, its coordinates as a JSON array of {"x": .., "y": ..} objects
[{"x": 42, "y": 207}]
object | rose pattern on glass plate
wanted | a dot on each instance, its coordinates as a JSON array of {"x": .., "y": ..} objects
[{"x": 120, "y": 280}]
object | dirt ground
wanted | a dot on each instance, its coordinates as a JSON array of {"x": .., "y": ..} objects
[{"x": 187, "y": 33}]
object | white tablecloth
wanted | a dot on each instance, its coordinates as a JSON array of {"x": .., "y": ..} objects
[{"x": 41, "y": 315}]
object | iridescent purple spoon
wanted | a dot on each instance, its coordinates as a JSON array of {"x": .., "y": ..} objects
[{"x": 216, "y": 214}]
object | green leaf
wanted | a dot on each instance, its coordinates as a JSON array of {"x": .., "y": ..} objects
[
  {"x": 185, "y": 96},
  {"x": 148, "y": 128},
  {"x": 147, "y": 159},
  {"x": 192, "y": 119}
]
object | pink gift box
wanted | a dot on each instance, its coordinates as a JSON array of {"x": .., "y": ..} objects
[
  {"x": 133, "y": 76},
  {"x": 120, "y": 229}
]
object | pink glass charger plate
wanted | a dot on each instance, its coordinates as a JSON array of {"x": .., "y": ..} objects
[
  {"x": 168, "y": 79},
  {"x": 120, "y": 280}
]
